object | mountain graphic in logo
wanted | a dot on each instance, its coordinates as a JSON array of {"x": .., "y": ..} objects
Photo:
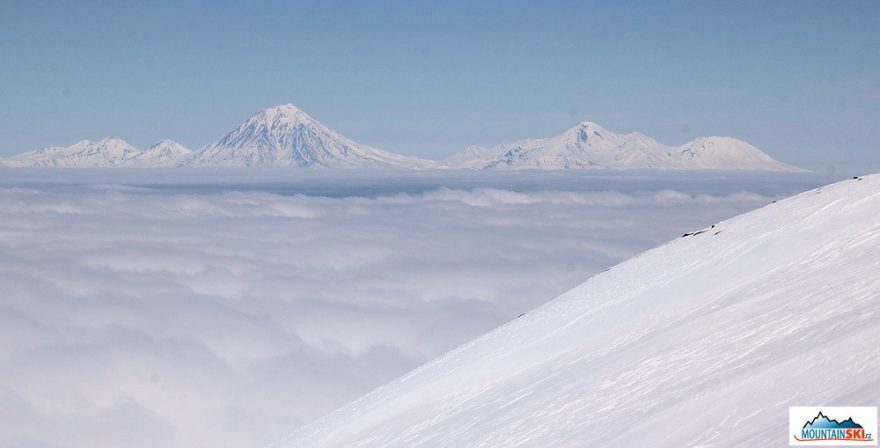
[
  {"x": 821, "y": 421},
  {"x": 850, "y": 425}
]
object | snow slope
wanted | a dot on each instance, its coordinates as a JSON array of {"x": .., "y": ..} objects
[
  {"x": 705, "y": 340},
  {"x": 286, "y": 136},
  {"x": 109, "y": 152},
  {"x": 588, "y": 145}
]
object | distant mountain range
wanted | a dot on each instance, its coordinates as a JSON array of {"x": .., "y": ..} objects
[
  {"x": 288, "y": 137},
  {"x": 111, "y": 151},
  {"x": 588, "y": 145}
]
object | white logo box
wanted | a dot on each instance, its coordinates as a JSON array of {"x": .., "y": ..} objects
[{"x": 866, "y": 416}]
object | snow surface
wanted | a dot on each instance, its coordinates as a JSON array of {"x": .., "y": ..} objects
[
  {"x": 588, "y": 145},
  {"x": 285, "y": 136},
  {"x": 706, "y": 340}
]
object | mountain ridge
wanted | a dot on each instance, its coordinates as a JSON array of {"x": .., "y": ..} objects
[
  {"x": 285, "y": 136},
  {"x": 110, "y": 151},
  {"x": 588, "y": 145}
]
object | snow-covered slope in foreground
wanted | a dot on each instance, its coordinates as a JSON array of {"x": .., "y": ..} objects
[{"x": 703, "y": 341}]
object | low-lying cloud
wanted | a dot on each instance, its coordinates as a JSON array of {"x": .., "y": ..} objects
[{"x": 138, "y": 317}]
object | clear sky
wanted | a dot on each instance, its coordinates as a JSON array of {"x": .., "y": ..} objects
[{"x": 799, "y": 79}]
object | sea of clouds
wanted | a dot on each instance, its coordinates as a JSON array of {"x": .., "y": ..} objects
[{"x": 185, "y": 309}]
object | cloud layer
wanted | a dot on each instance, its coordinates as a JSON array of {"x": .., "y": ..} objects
[{"x": 146, "y": 317}]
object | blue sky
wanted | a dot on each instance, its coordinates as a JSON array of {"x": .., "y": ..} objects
[{"x": 799, "y": 79}]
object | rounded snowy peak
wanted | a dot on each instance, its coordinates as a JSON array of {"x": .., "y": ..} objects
[
  {"x": 169, "y": 146},
  {"x": 281, "y": 114},
  {"x": 112, "y": 144},
  {"x": 717, "y": 145},
  {"x": 166, "y": 148},
  {"x": 164, "y": 153},
  {"x": 164, "y": 142},
  {"x": 729, "y": 153},
  {"x": 286, "y": 107}
]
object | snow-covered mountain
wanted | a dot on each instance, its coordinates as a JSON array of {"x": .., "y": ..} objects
[
  {"x": 588, "y": 145},
  {"x": 277, "y": 136},
  {"x": 713, "y": 152},
  {"x": 704, "y": 341},
  {"x": 164, "y": 153},
  {"x": 286, "y": 136},
  {"x": 109, "y": 152}
]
